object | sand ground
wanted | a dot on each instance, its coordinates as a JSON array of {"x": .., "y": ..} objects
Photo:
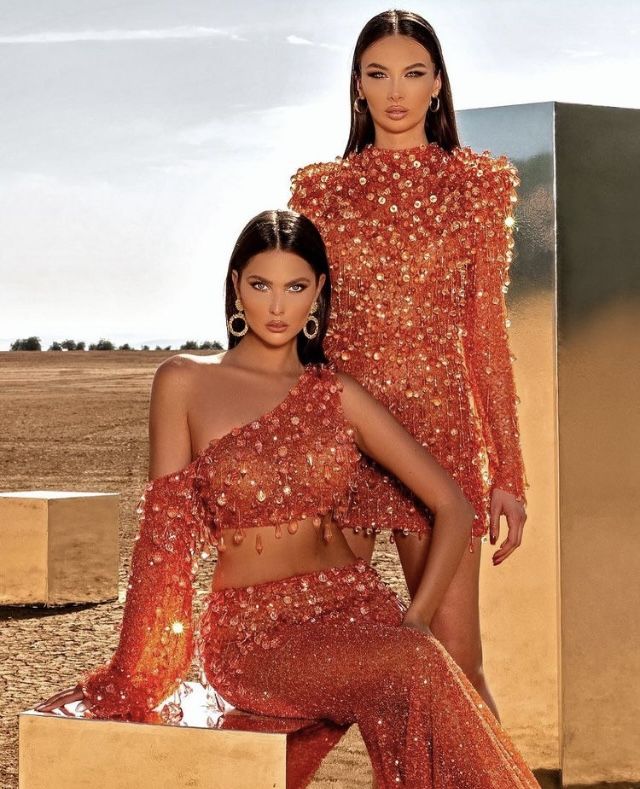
[{"x": 78, "y": 421}]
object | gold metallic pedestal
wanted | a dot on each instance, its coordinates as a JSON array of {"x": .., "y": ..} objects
[
  {"x": 58, "y": 547},
  {"x": 58, "y": 752},
  {"x": 561, "y": 629}
]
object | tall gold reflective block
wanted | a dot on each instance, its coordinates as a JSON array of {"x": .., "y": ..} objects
[
  {"x": 58, "y": 547},
  {"x": 560, "y": 620},
  {"x": 74, "y": 753}
]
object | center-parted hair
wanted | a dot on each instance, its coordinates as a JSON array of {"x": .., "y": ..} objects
[
  {"x": 440, "y": 126},
  {"x": 289, "y": 232}
]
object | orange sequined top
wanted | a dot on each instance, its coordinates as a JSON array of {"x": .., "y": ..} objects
[
  {"x": 420, "y": 243},
  {"x": 295, "y": 462}
]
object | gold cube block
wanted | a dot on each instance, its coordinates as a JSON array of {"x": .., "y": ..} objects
[
  {"x": 58, "y": 752},
  {"x": 58, "y": 547}
]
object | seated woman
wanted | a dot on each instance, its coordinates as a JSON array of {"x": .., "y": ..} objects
[{"x": 256, "y": 451}]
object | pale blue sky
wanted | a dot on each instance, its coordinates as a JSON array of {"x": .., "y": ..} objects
[{"x": 137, "y": 138}]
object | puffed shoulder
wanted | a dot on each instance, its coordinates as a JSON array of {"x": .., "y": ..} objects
[
  {"x": 499, "y": 169},
  {"x": 315, "y": 171},
  {"x": 496, "y": 179},
  {"x": 309, "y": 185}
]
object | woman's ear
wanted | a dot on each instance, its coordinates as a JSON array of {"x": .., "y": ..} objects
[
  {"x": 438, "y": 82},
  {"x": 321, "y": 280},
  {"x": 234, "y": 279}
]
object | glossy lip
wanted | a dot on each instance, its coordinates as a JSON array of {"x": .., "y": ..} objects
[
  {"x": 396, "y": 112},
  {"x": 277, "y": 326}
]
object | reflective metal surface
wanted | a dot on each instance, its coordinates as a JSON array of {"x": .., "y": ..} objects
[
  {"x": 598, "y": 151},
  {"x": 560, "y": 624},
  {"x": 58, "y": 547},
  {"x": 73, "y": 753}
]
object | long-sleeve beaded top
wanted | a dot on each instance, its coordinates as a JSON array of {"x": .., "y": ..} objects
[
  {"x": 294, "y": 463},
  {"x": 420, "y": 244}
]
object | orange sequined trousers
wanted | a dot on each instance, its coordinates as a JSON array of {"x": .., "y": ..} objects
[{"x": 329, "y": 645}]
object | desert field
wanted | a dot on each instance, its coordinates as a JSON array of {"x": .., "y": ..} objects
[{"x": 77, "y": 421}]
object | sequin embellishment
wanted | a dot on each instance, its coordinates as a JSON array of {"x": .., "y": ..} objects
[{"x": 420, "y": 243}]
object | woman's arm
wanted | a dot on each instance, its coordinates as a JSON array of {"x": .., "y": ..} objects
[
  {"x": 380, "y": 436},
  {"x": 156, "y": 636},
  {"x": 485, "y": 338}
]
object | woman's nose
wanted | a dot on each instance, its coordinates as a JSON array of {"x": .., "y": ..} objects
[
  {"x": 395, "y": 93},
  {"x": 276, "y": 307}
]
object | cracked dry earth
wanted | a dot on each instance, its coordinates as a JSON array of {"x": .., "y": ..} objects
[{"x": 78, "y": 421}]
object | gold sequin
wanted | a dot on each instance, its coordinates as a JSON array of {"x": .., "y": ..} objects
[
  {"x": 452, "y": 230},
  {"x": 322, "y": 626},
  {"x": 181, "y": 513}
]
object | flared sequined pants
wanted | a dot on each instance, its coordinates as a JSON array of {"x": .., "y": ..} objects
[{"x": 329, "y": 646}]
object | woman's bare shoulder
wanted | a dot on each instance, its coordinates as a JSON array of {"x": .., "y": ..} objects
[
  {"x": 353, "y": 395},
  {"x": 184, "y": 371}
]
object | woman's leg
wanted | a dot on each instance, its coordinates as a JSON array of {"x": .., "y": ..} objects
[
  {"x": 456, "y": 623},
  {"x": 330, "y": 646}
]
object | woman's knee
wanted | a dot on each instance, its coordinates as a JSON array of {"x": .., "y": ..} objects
[{"x": 466, "y": 652}]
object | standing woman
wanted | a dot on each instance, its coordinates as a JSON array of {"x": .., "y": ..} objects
[{"x": 419, "y": 235}]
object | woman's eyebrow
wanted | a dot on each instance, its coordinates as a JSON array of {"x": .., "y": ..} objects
[{"x": 413, "y": 65}]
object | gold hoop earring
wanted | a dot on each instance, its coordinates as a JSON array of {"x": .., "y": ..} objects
[
  {"x": 356, "y": 105},
  {"x": 312, "y": 318},
  {"x": 437, "y": 107},
  {"x": 237, "y": 316}
]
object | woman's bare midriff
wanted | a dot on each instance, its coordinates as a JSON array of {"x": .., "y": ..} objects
[{"x": 307, "y": 550}]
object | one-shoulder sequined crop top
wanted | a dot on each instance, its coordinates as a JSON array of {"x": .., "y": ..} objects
[
  {"x": 298, "y": 461},
  {"x": 295, "y": 462}
]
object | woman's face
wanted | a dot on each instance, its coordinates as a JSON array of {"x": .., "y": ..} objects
[
  {"x": 277, "y": 290},
  {"x": 397, "y": 78}
]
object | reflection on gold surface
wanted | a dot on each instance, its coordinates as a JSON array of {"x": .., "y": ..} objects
[
  {"x": 59, "y": 547},
  {"x": 519, "y": 599},
  {"x": 58, "y": 753},
  {"x": 600, "y": 545},
  {"x": 559, "y": 618}
]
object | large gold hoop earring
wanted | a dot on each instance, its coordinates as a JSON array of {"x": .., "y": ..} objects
[
  {"x": 437, "y": 107},
  {"x": 356, "y": 106},
  {"x": 311, "y": 318},
  {"x": 237, "y": 316}
]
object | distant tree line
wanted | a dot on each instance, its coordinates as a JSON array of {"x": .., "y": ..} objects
[{"x": 34, "y": 344}]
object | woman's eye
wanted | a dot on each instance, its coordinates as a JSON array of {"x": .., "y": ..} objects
[
  {"x": 298, "y": 288},
  {"x": 416, "y": 74},
  {"x": 259, "y": 285},
  {"x": 376, "y": 74}
]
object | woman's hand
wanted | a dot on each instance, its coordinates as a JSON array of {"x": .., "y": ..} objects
[
  {"x": 505, "y": 503},
  {"x": 59, "y": 700}
]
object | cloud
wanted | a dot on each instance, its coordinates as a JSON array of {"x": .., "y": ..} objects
[
  {"x": 300, "y": 41},
  {"x": 242, "y": 126},
  {"x": 159, "y": 34},
  {"x": 583, "y": 53},
  {"x": 304, "y": 42}
]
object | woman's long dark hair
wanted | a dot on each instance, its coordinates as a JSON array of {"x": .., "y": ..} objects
[
  {"x": 291, "y": 232},
  {"x": 440, "y": 126}
]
